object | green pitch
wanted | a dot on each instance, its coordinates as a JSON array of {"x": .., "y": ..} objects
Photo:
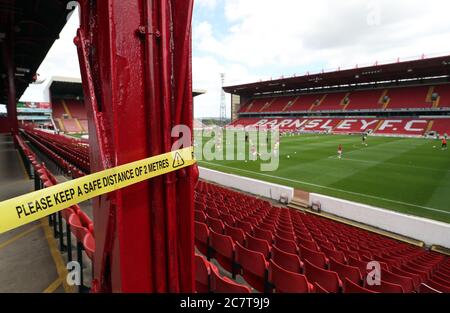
[{"x": 410, "y": 176}]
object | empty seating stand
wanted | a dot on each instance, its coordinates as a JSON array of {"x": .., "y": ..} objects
[{"x": 313, "y": 253}]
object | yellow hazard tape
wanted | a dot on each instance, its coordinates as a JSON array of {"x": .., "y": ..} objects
[{"x": 24, "y": 209}]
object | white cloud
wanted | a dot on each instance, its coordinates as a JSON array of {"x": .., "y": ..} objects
[
  {"x": 255, "y": 39},
  {"x": 293, "y": 33},
  {"x": 266, "y": 37}
]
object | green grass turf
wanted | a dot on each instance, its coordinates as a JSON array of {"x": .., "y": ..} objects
[{"x": 401, "y": 174}]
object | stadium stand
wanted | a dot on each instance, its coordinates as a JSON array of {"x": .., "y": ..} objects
[
  {"x": 443, "y": 93},
  {"x": 408, "y": 98},
  {"x": 381, "y": 126},
  {"x": 279, "y": 104},
  {"x": 405, "y": 268},
  {"x": 331, "y": 102},
  {"x": 69, "y": 115},
  {"x": 365, "y": 100}
]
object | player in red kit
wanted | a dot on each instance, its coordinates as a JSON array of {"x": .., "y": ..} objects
[
  {"x": 444, "y": 143},
  {"x": 340, "y": 152}
]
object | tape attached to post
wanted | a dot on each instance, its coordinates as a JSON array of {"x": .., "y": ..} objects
[{"x": 27, "y": 208}]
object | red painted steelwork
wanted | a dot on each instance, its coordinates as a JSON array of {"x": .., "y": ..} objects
[{"x": 135, "y": 59}]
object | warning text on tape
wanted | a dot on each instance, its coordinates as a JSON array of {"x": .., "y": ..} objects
[{"x": 27, "y": 208}]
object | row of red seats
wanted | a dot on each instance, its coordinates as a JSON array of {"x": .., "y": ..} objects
[
  {"x": 64, "y": 165},
  {"x": 75, "y": 146},
  {"x": 382, "y": 126},
  {"x": 78, "y": 222},
  {"x": 208, "y": 279},
  {"x": 404, "y": 98},
  {"x": 82, "y": 225},
  {"x": 64, "y": 149},
  {"x": 314, "y": 241}
]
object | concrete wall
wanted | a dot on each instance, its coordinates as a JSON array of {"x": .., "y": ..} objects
[
  {"x": 253, "y": 186},
  {"x": 429, "y": 231}
]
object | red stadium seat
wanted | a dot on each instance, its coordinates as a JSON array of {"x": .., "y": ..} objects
[
  {"x": 286, "y": 235},
  {"x": 215, "y": 224},
  {"x": 221, "y": 284},
  {"x": 199, "y": 216},
  {"x": 288, "y": 261},
  {"x": 337, "y": 255},
  {"x": 228, "y": 219},
  {"x": 246, "y": 226},
  {"x": 441, "y": 281},
  {"x": 424, "y": 288},
  {"x": 386, "y": 287},
  {"x": 308, "y": 244},
  {"x": 237, "y": 234},
  {"x": 214, "y": 213},
  {"x": 223, "y": 248},
  {"x": 351, "y": 287},
  {"x": 288, "y": 282},
  {"x": 317, "y": 258},
  {"x": 346, "y": 271},
  {"x": 89, "y": 245},
  {"x": 202, "y": 238},
  {"x": 327, "y": 279},
  {"x": 202, "y": 274},
  {"x": 263, "y": 234},
  {"x": 259, "y": 245},
  {"x": 438, "y": 286},
  {"x": 254, "y": 267},
  {"x": 288, "y": 246},
  {"x": 416, "y": 278},
  {"x": 407, "y": 283},
  {"x": 319, "y": 289}
]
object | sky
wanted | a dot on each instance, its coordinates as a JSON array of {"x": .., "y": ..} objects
[{"x": 252, "y": 40}]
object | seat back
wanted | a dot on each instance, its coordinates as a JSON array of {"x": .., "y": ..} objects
[
  {"x": 317, "y": 258},
  {"x": 288, "y": 261},
  {"x": 223, "y": 247},
  {"x": 215, "y": 224},
  {"x": 254, "y": 267},
  {"x": 201, "y": 237},
  {"x": 327, "y": 279},
  {"x": 221, "y": 284},
  {"x": 286, "y": 281},
  {"x": 352, "y": 273},
  {"x": 351, "y": 287},
  {"x": 386, "y": 287},
  {"x": 199, "y": 216},
  {"x": 288, "y": 246},
  {"x": 263, "y": 234},
  {"x": 406, "y": 282},
  {"x": 202, "y": 274},
  {"x": 246, "y": 226},
  {"x": 259, "y": 245},
  {"x": 236, "y": 233}
]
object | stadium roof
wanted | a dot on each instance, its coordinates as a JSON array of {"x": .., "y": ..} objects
[
  {"x": 416, "y": 69},
  {"x": 31, "y": 27},
  {"x": 198, "y": 92}
]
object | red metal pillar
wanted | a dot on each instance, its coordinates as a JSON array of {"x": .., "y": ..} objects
[{"x": 135, "y": 60}]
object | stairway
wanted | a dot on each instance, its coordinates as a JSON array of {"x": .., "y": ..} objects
[{"x": 381, "y": 101}]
